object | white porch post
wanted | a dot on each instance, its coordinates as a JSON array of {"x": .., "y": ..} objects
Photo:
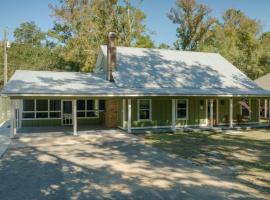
[
  {"x": 129, "y": 115},
  {"x": 12, "y": 119},
  {"x": 124, "y": 113},
  {"x": 211, "y": 113},
  {"x": 74, "y": 108},
  {"x": 269, "y": 110},
  {"x": 217, "y": 112},
  {"x": 265, "y": 108},
  {"x": 173, "y": 114},
  {"x": 20, "y": 112},
  {"x": 231, "y": 114}
]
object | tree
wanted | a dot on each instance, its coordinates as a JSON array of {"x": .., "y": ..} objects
[
  {"x": 194, "y": 23},
  {"x": 29, "y": 33},
  {"x": 164, "y": 46},
  {"x": 145, "y": 42},
  {"x": 29, "y": 52},
  {"x": 236, "y": 38},
  {"x": 83, "y": 26}
]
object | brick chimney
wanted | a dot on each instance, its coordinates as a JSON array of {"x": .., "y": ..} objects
[{"x": 111, "y": 55}]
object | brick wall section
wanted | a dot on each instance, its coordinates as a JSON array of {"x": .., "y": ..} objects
[{"x": 111, "y": 114}]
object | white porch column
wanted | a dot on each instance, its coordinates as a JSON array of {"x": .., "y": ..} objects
[
  {"x": 20, "y": 112},
  {"x": 265, "y": 108},
  {"x": 124, "y": 113},
  {"x": 231, "y": 114},
  {"x": 269, "y": 110},
  {"x": 211, "y": 113},
  {"x": 74, "y": 111},
  {"x": 217, "y": 112},
  {"x": 12, "y": 119},
  {"x": 129, "y": 115},
  {"x": 173, "y": 114}
]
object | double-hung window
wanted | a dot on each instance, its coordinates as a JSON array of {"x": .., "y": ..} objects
[
  {"x": 182, "y": 109},
  {"x": 144, "y": 109}
]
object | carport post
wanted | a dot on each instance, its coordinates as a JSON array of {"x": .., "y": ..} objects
[
  {"x": 211, "y": 113},
  {"x": 124, "y": 113},
  {"x": 231, "y": 113},
  {"x": 173, "y": 114},
  {"x": 265, "y": 108},
  {"x": 74, "y": 106},
  {"x": 129, "y": 115},
  {"x": 269, "y": 110},
  {"x": 12, "y": 119}
]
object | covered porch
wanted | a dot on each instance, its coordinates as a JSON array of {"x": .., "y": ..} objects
[
  {"x": 188, "y": 112},
  {"x": 72, "y": 115},
  {"x": 58, "y": 115}
]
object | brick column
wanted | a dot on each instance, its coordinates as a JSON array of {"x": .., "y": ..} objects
[{"x": 111, "y": 114}]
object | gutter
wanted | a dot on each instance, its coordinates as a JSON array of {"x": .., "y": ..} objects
[{"x": 132, "y": 95}]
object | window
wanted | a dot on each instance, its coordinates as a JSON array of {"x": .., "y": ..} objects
[
  {"x": 55, "y": 105},
  {"x": 42, "y": 105},
  {"x": 144, "y": 109},
  {"x": 28, "y": 105},
  {"x": 41, "y": 109},
  {"x": 28, "y": 109},
  {"x": 102, "y": 105},
  {"x": 245, "y": 110},
  {"x": 86, "y": 108},
  {"x": 182, "y": 109},
  {"x": 81, "y": 105},
  {"x": 55, "y": 109}
]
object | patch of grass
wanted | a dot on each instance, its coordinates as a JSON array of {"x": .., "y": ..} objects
[{"x": 247, "y": 151}]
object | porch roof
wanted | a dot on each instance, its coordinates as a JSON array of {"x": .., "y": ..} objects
[{"x": 45, "y": 83}]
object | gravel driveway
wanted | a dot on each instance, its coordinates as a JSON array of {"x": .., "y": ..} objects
[{"x": 107, "y": 165}]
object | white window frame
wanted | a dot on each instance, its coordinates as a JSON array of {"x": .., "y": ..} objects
[
  {"x": 138, "y": 110},
  {"x": 96, "y": 111},
  {"x": 35, "y": 111},
  {"x": 187, "y": 110},
  {"x": 249, "y": 113}
]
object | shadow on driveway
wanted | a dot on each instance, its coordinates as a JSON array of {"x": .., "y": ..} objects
[{"x": 111, "y": 165}]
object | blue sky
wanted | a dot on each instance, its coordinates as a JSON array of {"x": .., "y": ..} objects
[{"x": 14, "y": 12}]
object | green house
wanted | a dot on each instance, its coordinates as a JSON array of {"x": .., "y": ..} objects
[{"x": 138, "y": 88}]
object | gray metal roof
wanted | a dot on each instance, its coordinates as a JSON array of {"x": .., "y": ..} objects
[
  {"x": 158, "y": 68},
  {"x": 264, "y": 81},
  {"x": 142, "y": 72},
  {"x": 47, "y": 82}
]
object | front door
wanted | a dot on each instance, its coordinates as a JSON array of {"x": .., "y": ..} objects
[
  {"x": 67, "y": 112},
  {"x": 214, "y": 112}
]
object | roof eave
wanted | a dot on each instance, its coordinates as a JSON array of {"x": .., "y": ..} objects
[{"x": 130, "y": 95}]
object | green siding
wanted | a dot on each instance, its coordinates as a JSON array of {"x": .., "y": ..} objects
[
  {"x": 162, "y": 111},
  {"x": 38, "y": 122}
]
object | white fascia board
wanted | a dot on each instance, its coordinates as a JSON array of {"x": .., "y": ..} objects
[{"x": 132, "y": 95}]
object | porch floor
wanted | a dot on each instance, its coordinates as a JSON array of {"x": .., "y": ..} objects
[
  {"x": 60, "y": 130},
  {"x": 219, "y": 128},
  {"x": 68, "y": 130}
]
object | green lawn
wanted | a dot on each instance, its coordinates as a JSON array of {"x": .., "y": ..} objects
[{"x": 246, "y": 152}]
